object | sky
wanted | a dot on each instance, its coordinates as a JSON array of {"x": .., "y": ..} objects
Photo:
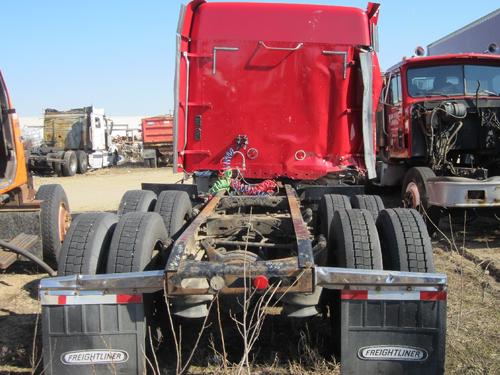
[{"x": 119, "y": 54}]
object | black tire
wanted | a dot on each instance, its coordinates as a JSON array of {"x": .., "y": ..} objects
[
  {"x": 137, "y": 245},
  {"x": 416, "y": 178},
  {"x": 57, "y": 167},
  {"x": 153, "y": 163},
  {"x": 355, "y": 240},
  {"x": 136, "y": 238},
  {"x": 85, "y": 248},
  {"x": 175, "y": 208},
  {"x": 70, "y": 164},
  {"x": 355, "y": 245},
  {"x": 372, "y": 203},
  {"x": 137, "y": 201},
  {"x": 406, "y": 245},
  {"x": 55, "y": 216},
  {"x": 327, "y": 206},
  {"x": 82, "y": 162}
]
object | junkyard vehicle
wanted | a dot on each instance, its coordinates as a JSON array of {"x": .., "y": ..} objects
[
  {"x": 276, "y": 125},
  {"x": 73, "y": 141},
  {"x": 157, "y": 140},
  {"x": 26, "y": 216},
  {"x": 439, "y": 134}
]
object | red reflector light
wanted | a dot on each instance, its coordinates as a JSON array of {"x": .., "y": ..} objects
[
  {"x": 260, "y": 282},
  {"x": 433, "y": 296}
]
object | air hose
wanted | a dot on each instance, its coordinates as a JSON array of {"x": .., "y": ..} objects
[
  {"x": 27, "y": 254},
  {"x": 265, "y": 187},
  {"x": 223, "y": 183}
]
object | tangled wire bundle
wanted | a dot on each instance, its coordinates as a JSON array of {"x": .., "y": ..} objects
[
  {"x": 225, "y": 181},
  {"x": 263, "y": 188}
]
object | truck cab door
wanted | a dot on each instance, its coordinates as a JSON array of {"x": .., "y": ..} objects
[
  {"x": 98, "y": 130},
  {"x": 13, "y": 169},
  {"x": 394, "y": 121}
]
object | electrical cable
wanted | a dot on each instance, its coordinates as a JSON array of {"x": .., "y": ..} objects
[{"x": 239, "y": 185}]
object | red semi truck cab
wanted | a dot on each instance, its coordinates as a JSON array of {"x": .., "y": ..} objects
[{"x": 298, "y": 99}]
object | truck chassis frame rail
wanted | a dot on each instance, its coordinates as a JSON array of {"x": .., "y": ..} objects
[{"x": 294, "y": 273}]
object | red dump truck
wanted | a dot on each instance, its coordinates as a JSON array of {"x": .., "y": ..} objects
[
  {"x": 275, "y": 121},
  {"x": 157, "y": 140}
]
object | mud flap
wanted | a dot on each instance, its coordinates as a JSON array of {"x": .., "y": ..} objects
[
  {"x": 89, "y": 334},
  {"x": 396, "y": 332}
]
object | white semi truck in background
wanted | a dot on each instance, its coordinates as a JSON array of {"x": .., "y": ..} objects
[{"x": 74, "y": 141}]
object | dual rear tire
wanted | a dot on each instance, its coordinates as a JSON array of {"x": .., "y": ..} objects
[
  {"x": 173, "y": 206},
  {"x": 372, "y": 237},
  {"x": 72, "y": 162},
  {"x": 126, "y": 241}
]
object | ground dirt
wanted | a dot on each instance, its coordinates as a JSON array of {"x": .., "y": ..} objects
[
  {"x": 102, "y": 189},
  {"x": 285, "y": 346}
]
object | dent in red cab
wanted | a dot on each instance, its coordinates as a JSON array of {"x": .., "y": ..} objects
[{"x": 292, "y": 85}]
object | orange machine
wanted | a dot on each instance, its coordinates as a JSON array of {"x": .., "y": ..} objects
[{"x": 26, "y": 215}]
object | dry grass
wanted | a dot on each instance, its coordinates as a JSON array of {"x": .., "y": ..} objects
[{"x": 473, "y": 332}]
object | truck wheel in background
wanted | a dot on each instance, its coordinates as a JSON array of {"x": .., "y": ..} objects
[
  {"x": 82, "y": 162},
  {"x": 414, "y": 195},
  {"x": 85, "y": 248},
  {"x": 175, "y": 208},
  {"x": 372, "y": 203},
  {"x": 70, "y": 164},
  {"x": 327, "y": 206},
  {"x": 55, "y": 217},
  {"x": 406, "y": 245},
  {"x": 57, "y": 167},
  {"x": 153, "y": 163},
  {"x": 137, "y": 201}
]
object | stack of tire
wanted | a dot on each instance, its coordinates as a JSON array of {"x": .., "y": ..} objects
[{"x": 73, "y": 162}]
